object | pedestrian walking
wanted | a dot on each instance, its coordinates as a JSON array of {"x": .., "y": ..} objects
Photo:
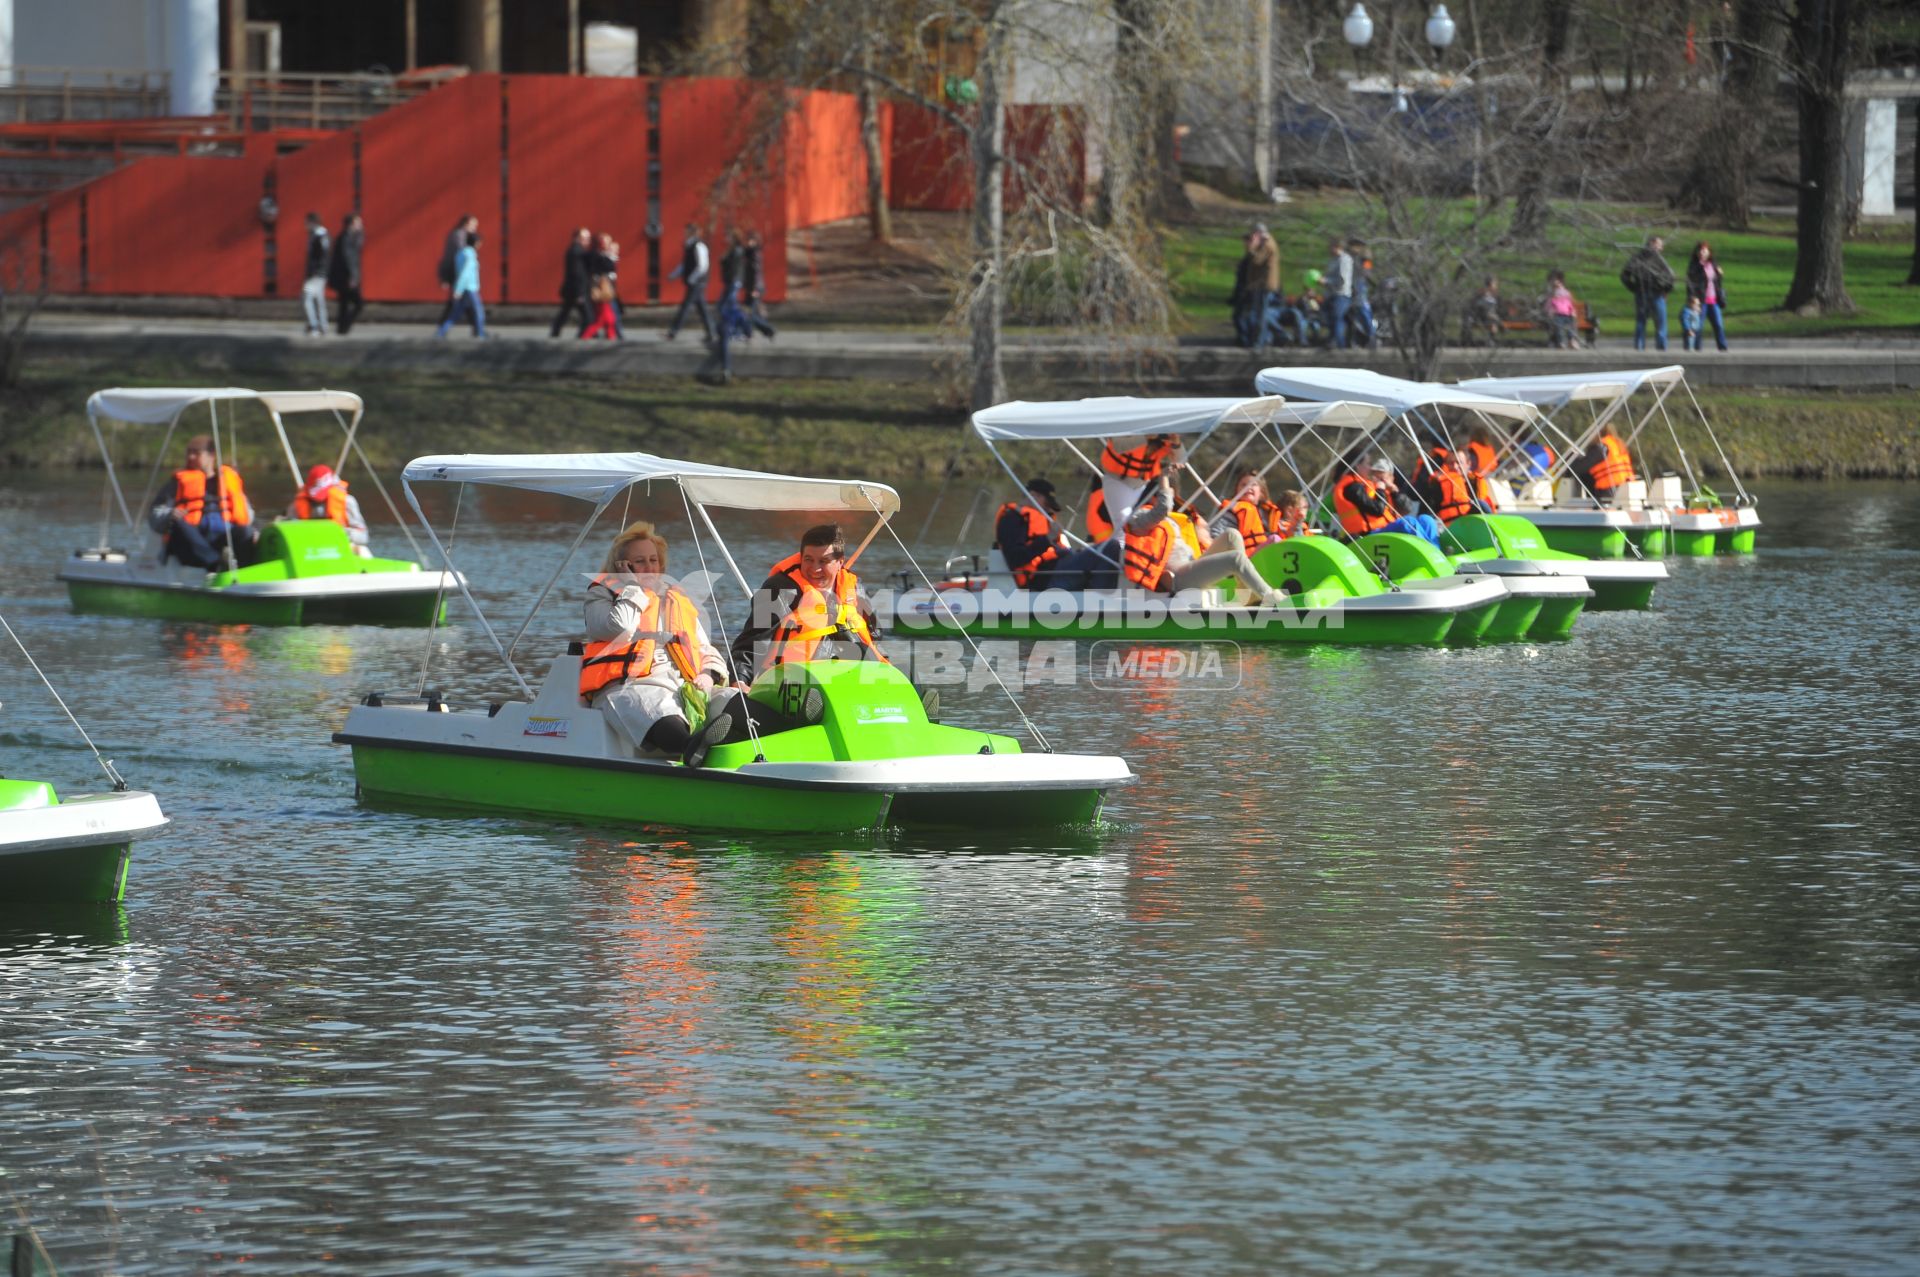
[
  {"x": 1338, "y": 283},
  {"x": 467, "y": 226},
  {"x": 1708, "y": 286},
  {"x": 576, "y": 283},
  {"x": 692, "y": 271},
  {"x": 603, "y": 272},
  {"x": 733, "y": 266},
  {"x": 313, "y": 291},
  {"x": 343, "y": 272},
  {"x": 466, "y": 290},
  {"x": 756, "y": 283},
  {"x": 1255, "y": 281},
  {"x": 1648, "y": 277}
]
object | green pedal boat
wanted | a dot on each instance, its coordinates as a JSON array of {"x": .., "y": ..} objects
[
  {"x": 299, "y": 572},
  {"x": 73, "y": 850},
  {"x": 861, "y": 751},
  {"x": 1510, "y": 543},
  {"x": 1330, "y": 595},
  {"x": 1657, "y": 515}
]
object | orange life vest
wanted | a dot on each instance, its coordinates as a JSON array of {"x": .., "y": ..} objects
[
  {"x": 1356, "y": 521},
  {"x": 1144, "y": 558},
  {"x": 1258, "y": 524},
  {"x": 332, "y": 506},
  {"x": 615, "y": 661},
  {"x": 1099, "y": 525},
  {"x": 1615, "y": 468},
  {"x": 1454, "y": 499},
  {"x": 190, "y": 496},
  {"x": 1038, "y": 529},
  {"x": 814, "y": 619},
  {"x": 1139, "y": 464},
  {"x": 1481, "y": 465}
]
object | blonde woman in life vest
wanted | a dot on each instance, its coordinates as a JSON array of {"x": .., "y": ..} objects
[{"x": 645, "y": 641}]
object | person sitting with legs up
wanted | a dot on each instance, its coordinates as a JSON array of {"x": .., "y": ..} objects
[
  {"x": 1158, "y": 558},
  {"x": 202, "y": 527}
]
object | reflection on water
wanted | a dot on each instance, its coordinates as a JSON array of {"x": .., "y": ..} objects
[{"x": 1596, "y": 956}]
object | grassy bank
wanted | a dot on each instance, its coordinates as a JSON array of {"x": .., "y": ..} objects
[
  {"x": 1758, "y": 263},
  {"x": 880, "y": 430}
]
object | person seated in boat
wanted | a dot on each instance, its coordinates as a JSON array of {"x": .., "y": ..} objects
[
  {"x": 324, "y": 496},
  {"x": 1295, "y": 517},
  {"x": 1440, "y": 485},
  {"x": 809, "y": 609},
  {"x": 1028, "y": 535},
  {"x": 1366, "y": 502},
  {"x": 1479, "y": 463},
  {"x": 1537, "y": 457},
  {"x": 645, "y": 643},
  {"x": 1258, "y": 521},
  {"x": 1157, "y": 556},
  {"x": 1129, "y": 463},
  {"x": 1604, "y": 466},
  {"x": 1100, "y": 529},
  {"x": 199, "y": 531}
]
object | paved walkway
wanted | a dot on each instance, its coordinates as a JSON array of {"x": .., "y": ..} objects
[{"x": 519, "y": 347}]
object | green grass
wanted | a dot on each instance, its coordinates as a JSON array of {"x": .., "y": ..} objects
[
  {"x": 1758, "y": 262},
  {"x": 845, "y": 428}
]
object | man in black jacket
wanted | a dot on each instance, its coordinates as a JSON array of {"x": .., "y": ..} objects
[
  {"x": 343, "y": 272},
  {"x": 1648, "y": 277},
  {"x": 575, "y": 282}
]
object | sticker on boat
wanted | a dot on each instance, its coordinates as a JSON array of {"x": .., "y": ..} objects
[
  {"x": 881, "y": 714},
  {"x": 545, "y": 727}
]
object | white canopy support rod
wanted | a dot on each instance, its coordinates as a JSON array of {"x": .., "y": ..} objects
[
  {"x": 446, "y": 561},
  {"x": 113, "y": 478},
  {"x": 720, "y": 544},
  {"x": 872, "y": 532},
  {"x": 1228, "y": 460},
  {"x": 565, "y": 559},
  {"x": 286, "y": 444},
  {"x": 1738, "y": 487},
  {"x": 159, "y": 459},
  {"x": 352, "y": 428},
  {"x": 387, "y": 497},
  {"x": 216, "y": 491}
]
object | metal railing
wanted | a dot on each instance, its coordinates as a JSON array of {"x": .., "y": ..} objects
[
  {"x": 256, "y": 102},
  {"x": 47, "y": 95}
]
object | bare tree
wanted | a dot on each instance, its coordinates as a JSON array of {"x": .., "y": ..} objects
[
  {"x": 1819, "y": 44},
  {"x": 1719, "y": 179},
  {"x": 21, "y": 297}
]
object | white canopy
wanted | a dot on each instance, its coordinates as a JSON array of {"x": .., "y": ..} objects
[
  {"x": 1119, "y": 415},
  {"x": 596, "y": 476},
  {"x": 1555, "y": 389},
  {"x": 1396, "y": 395},
  {"x": 1342, "y": 414},
  {"x": 157, "y": 406}
]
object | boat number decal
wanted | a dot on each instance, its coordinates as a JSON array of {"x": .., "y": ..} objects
[
  {"x": 545, "y": 727},
  {"x": 792, "y": 695},
  {"x": 1384, "y": 559},
  {"x": 1290, "y": 560}
]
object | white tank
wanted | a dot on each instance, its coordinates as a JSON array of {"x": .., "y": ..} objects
[{"x": 192, "y": 54}]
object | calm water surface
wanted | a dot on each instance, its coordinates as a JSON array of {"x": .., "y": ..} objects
[{"x": 1598, "y": 957}]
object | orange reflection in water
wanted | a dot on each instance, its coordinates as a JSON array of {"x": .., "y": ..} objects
[{"x": 215, "y": 659}]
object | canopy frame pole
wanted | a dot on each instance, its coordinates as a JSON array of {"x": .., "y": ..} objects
[
  {"x": 1039, "y": 737},
  {"x": 352, "y": 429},
  {"x": 113, "y": 478},
  {"x": 386, "y": 496},
  {"x": 439, "y": 596},
  {"x": 720, "y": 544},
  {"x": 286, "y": 444},
  {"x": 159, "y": 459},
  {"x": 1065, "y": 531},
  {"x": 565, "y": 559},
  {"x": 1746, "y": 498},
  {"x": 217, "y": 490},
  {"x": 460, "y": 580},
  {"x": 872, "y": 532},
  {"x": 720, "y": 623}
]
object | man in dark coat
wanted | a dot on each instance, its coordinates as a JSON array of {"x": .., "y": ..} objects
[
  {"x": 343, "y": 272},
  {"x": 1648, "y": 277},
  {"x": 576, "y": 282}
]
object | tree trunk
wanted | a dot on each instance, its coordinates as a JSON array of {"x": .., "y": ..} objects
[
  {"x": 1913, "y": 275},
  {"x": 987, "y": 291},
  {"x": 879, "y": 217},
  {"x": 1818, "y": 37},
  {"x": 1144, "y": 111},
  {"x": 1530, "y": 202},
  {"x": 1719, "y": 180}
]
